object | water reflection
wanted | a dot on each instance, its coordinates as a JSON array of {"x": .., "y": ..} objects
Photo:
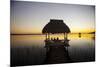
[{"x": 29, "y": 49}]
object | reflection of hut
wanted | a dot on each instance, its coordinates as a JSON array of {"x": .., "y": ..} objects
[{"x": 52, "y": 47}]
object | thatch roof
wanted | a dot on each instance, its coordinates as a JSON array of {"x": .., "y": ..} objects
[{"x": 56, "y": 26}]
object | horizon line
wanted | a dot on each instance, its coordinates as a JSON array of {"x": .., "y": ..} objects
[{"x": 44, "y": 34}]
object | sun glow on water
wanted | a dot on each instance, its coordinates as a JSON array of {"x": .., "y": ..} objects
[
  {"x": 39, "y": 39},
  {"x": 73, "y": 36}
]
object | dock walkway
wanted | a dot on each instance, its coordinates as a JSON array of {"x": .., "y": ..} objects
[{"x": 57, "y": 54}]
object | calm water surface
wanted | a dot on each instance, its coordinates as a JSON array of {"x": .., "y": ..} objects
[{"x": 81, "y": 49}]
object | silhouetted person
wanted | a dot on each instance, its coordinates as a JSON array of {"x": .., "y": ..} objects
[
  {"x": 52, "y": 39},
  {"x": 57, "y": 38}
]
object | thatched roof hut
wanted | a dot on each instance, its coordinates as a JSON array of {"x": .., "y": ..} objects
[{"x": 56, "y": 26}]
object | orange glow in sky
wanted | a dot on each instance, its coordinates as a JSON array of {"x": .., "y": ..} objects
[{"x": 31, "y": 17}]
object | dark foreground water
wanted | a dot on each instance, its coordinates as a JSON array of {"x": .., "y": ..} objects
[{"x": 30, "y": 50}]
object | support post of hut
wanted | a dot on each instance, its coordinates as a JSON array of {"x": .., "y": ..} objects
[
  {"x": 46, "y": 36},
  {"x": 49, "y": 36},
  {"x": 66, "y": 36}
]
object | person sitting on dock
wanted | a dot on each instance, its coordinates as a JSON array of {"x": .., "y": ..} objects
[
  {"x": 57, "y": 39},
  {"x": 52, "y": 39}
]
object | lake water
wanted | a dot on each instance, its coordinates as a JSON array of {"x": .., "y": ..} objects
[{"x": 31, "y": 48}]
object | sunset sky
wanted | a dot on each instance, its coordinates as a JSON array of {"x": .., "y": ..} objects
[{"x": 31, "y": 17}]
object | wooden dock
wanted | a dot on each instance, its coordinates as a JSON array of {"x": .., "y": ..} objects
[{"x": 57, "y": 54}]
